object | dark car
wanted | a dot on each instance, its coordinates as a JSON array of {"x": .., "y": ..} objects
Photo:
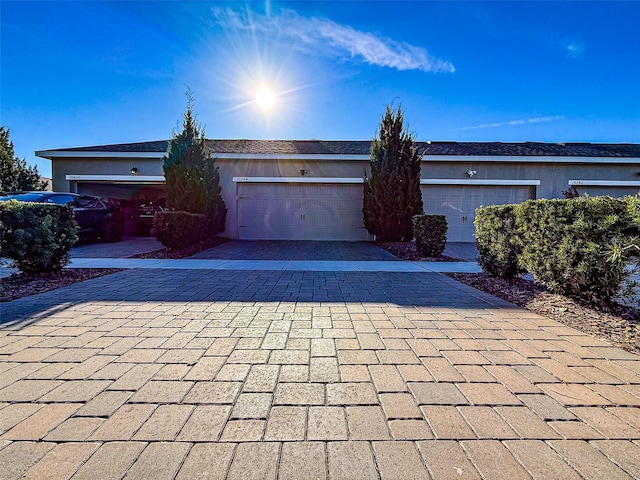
[
  {"x": 96, "y": 217},
  {"x": 143, "y": 213}
]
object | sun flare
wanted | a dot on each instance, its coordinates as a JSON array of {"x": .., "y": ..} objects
[{"x": 265, "y": 98}]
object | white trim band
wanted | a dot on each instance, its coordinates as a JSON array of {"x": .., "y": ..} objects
[
  {"x": 605, "y": 183},
  {"x": 528, "y": 159},
  {"x": 116, "y": 178},
  {"x": 297, "y": 180},
  {"x": 469, "y": 181},
  {"x": 290, "y": 156},
  {"x": 342, "y": 157},
  {"x": 430, "y": 181}
]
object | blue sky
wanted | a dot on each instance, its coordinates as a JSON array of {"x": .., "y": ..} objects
[{"x": 90, "y": 73}]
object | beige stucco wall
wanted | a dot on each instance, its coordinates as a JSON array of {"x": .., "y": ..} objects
[
  {"x": 553, "y": 174},
  {"x": 554, "y": 177},
  {"x": 104, "y": 166}
]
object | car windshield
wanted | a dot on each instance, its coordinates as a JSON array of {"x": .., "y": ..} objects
[
  {"x": 41, "y": 197},
  {"x": 25, "y": 197}
]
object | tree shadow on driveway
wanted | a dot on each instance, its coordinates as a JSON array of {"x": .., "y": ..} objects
[{"x": 145, "y": 289}]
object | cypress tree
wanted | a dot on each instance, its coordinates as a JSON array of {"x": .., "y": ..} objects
[
  {"x": 392, "y": 193},
  {"x": 192, "y": 180}
]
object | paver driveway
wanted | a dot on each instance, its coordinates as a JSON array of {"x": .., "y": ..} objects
[
  {"x": 297, "y": 250},
  {"x": 157, "y": 374}
]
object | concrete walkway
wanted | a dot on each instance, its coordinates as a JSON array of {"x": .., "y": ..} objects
[
  {"x": 162, "y": 373},
  {"x": 267, "y": 255},
  {"x": 126, "y": 248}
]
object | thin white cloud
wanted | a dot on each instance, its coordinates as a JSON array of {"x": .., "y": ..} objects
[
  {"x": 326, "y": 36},
  {"x": 513, "y": 123},
  {"x": 575, "y": 50}
]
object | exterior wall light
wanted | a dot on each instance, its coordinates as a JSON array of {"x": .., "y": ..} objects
[
  {"x": 303, "y": 172},
  {"x": 134, "y": 171}
]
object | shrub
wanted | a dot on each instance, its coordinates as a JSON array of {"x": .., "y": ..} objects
[
  {"x": 578, "y": 246},
  {"x": 496, "y": 241},
  {"x": 37, "y": 236},
  {"x": 430, "y": 232},
  {"x": 179, "y": 229},
  {"x": 633, "y": 209}
]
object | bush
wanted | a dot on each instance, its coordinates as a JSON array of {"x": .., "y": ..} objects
[
  {"x": 579, "y": 246},
  {"x": 497, "y": 242},
  {"x": 430, "y": 232},
  {"x": 633, "y": 209},
  {"x": 179, "y": 229},
  {"x": 37, "y": 236}
]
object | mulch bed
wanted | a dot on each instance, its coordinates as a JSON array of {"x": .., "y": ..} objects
[
  {"x": 20, "y": 285},
  {"x": 408, "y": 251}
]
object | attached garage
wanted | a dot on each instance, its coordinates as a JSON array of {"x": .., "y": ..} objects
[
  {"x": 130, "y": 191},
  {"x": 458, "y": 200},
  {"x": 300, "y": 209},
  {"x": 312, "y": 189},
  {"x": 117, "y": 186}
]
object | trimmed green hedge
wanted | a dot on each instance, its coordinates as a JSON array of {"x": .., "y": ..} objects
[
  {"x": 179, "y": 229},
  {"x": 578, "y": 246},
  {"x": 496, "y": 241},
  {"x": 430, "y": 232},
  {"x": 37, "y": 236},
  {"x": 583, "y": 246}
]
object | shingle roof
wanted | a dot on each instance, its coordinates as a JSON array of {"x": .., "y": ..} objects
[{"x": 361, "y": 147}]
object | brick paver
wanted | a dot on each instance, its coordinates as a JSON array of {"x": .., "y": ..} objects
[
  {"x": 399, "y": 460},
  {"x": 159, "y": 460},
  {"x": 446, "y": 460},
  {"x": 267, "y": 374},
  {"x": 61, "y": 462},
  {"x": 303, "y": 460},
  {"x": 348, "y": 460},
  {"x": 207, "y": 461},
  {"x": 18, "y": 457}
]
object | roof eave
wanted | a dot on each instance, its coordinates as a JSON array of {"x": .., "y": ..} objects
[{"x": 51, "y": 154}]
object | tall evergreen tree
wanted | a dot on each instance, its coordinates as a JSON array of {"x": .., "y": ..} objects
[
  {"x": 15, "y": 175},
  {"x": 192, "y": 180},
  {"x": 392, "y": 193}
]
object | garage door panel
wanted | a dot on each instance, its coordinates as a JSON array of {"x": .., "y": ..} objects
[
  {"x": 459, "y": 202},
  {"x": 300, "y": 212},
  {"x": 266, "y": 232},
  {"x": 594, "y": 191},
  {"x": 264, "y": 220}
]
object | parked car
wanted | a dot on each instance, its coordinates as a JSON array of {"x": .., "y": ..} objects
[
  {"x": 96, "y": 217},
  {"x": 143, "y": 213}
]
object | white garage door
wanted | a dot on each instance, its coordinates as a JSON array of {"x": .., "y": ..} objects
[
  {"x": 595, "y": 191},
  {"x": 459, "y": 202},
  {"x": 297, "y": 211}
]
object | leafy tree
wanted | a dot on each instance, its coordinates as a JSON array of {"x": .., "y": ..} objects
[
  {"x": 15, "y": 175},
  {"x": 392, "y": 193},
  {"x": 192, "y": 180}
]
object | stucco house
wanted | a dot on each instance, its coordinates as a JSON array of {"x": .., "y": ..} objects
[{"x": 312, "y": 189}]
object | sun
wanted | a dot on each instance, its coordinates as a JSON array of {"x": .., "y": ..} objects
[{"x": 265, "y": 98}]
